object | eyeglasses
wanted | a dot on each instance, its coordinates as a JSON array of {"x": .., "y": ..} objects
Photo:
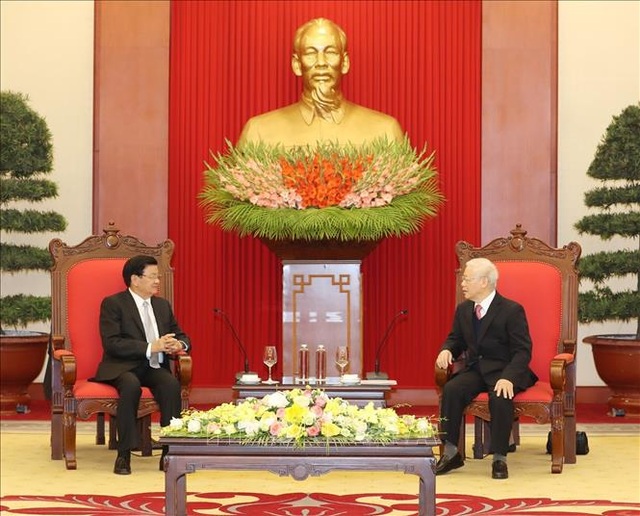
[{"x": 469, "y": 279}]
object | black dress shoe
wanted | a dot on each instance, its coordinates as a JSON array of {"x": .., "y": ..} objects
[
  {"x": 499, "y": 469},
  {"x": 122, "y": 466},
  {"x": 446, "y": 464}
]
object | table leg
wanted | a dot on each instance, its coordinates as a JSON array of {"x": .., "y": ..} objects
[
  {"x": 175, "y": 488},
  {"x": 427, "y": 490}
]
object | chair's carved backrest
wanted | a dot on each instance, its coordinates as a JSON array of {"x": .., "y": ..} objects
[
  {"x": 541, "y": 278},
  {"x": 83, "y": 275}
]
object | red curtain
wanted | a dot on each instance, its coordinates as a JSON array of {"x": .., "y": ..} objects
[{"x": 418, "y": 61}]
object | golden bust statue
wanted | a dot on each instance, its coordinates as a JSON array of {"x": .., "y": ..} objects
[{"x": 320, "y": 57}]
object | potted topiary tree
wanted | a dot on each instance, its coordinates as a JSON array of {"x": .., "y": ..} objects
[
  {"x": 617, "y": 166},
  {"x": 26, "y": 155}
]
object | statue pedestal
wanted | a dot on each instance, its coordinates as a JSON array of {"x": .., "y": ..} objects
[{"x": 321, "y": 301}]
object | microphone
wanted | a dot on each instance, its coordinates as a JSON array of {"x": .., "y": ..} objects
[
  {"x": 376, "y": 374},
  {"x": 219, "y": 312}
]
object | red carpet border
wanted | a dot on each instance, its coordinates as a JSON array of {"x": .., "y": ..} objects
[{"x": 308, "y": 504}]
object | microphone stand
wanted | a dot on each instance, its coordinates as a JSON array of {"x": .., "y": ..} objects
[
  {"x": 376, "y": 374},
  {"x": 239, "y": 375}
]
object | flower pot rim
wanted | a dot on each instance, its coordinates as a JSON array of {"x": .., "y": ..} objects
[
  {"x": 22, "y": 333},
  {"x": 613, "y": 339}
]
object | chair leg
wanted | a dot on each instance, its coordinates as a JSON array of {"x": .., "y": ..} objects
[
  {"x": 100, "y": 428},
  {"x": 69, "y": 431},
  {"x": 56, "y": 436},
  {"x": 462, "y": 439},
  {"x": 481, "y": 438},
  {"x": 482, "y": 445},
  {"x": 558, "y": 434},
  {"x": 570, "y": 440},
  {"x": 144, "y": 427}
]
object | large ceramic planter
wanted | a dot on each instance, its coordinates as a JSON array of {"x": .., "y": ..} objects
[
  {"x": 21, "y": 359},
  {"x": 617, "y": 360}
]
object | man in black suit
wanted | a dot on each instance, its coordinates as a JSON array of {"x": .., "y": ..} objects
[
  {"x": 498, "y": 348},
  {"x": 139, "y": 333}
]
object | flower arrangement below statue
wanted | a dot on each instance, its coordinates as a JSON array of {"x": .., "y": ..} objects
[
  {"x": 329, "y": 192},
  {"x": 299, "y": 417}
]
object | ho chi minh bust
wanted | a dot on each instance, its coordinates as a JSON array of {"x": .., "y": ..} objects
[{"x": 320, "y": 57}]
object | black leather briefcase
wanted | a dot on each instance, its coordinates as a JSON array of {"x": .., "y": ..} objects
[{"x": 582, "y": 443}]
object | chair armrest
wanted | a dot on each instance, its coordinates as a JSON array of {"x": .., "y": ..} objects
[
  {"x": 569, "y": 346},
  {"x": 183, "y": 369},
  {"x": 558, "y": 373},
  {"x": 68, "y": 371},
  {"x": 59, "y": 353},
  {"x": 57, "y": 342},
  {"x": 442, "y": 376}
]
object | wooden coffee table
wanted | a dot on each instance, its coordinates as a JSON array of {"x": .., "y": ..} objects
[{"x": 187, "y": 455}]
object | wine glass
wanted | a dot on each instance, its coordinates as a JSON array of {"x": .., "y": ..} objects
[
  {"x": 342, "y": 358},
  {"x": 270, "y": 358}
]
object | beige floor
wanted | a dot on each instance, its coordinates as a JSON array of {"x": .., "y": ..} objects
[{"x": 611, "y": 471}]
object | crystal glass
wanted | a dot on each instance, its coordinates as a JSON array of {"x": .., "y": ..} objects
[
  {"x": 270, "y": 358},
  {"x": 342, "y": 358}
]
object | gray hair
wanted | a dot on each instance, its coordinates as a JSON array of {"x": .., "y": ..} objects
[
  {"x": 484, "y": 268},
  {"x": 297, "y": 40}
]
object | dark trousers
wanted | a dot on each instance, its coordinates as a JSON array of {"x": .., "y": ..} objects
[
  {"x": 165, "y": 389},
  {"x": 458, "y": 392}
]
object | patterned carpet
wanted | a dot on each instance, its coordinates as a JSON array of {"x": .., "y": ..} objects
[
  {"x": 309, "y": 504},
  {"x": 605, "y": 482}
]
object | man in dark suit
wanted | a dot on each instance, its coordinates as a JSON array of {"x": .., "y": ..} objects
[
  {"x": 139, "y": 333},
  {"x": 494, "y": 333}
]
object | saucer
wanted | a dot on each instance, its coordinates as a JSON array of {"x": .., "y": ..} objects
[
  {"x": 350, "y": 381},
  {"x": 256, "y": 382}
]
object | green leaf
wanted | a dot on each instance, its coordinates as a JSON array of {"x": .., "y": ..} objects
[
  {"x": 20, "y": 310},
  {"x": 15, "y": 258}
]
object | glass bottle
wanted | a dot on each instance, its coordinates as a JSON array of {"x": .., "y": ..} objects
[
  {"x": 303, "y": 360},
  {"x": 321, "y": 364}
]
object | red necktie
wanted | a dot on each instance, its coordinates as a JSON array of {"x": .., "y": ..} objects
[{"x": 478, "y": 311}]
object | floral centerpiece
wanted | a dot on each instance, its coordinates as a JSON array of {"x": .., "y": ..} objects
[
  {"x": 298, "y": 417},
  {"x": 332, "y": 191}
]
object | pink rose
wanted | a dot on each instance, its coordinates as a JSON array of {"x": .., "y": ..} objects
[{"x": 314, "y": 430}]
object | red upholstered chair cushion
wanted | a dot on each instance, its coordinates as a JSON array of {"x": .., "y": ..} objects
[
  {"x": 540, "y": 392},
  {"x": 538, "y": 287},
  {"x": 84, "y": 389}
]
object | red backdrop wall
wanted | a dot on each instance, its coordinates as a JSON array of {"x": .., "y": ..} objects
[{"x": 418, "y": 61}]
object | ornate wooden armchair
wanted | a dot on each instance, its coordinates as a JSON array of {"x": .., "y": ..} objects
[
  {"x": 81, "y": 277},
  {"x": 545, "y": 281}
]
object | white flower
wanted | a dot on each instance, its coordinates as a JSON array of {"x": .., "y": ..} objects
[
  {"x": 422, "y": 425},
  {"x": 175, "y": 423},
  {"x": 277, "y": 399},
  {"x": 251, "y": 428},
  {"x": 194, "y": 426}
]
